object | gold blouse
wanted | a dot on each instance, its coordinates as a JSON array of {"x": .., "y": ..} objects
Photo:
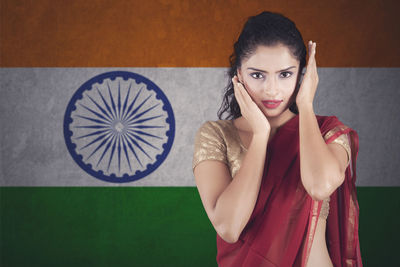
[{"x": 219, "y": 140}]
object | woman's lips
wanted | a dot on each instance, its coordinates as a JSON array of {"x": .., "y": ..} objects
[{"x": 271, "y": 103}]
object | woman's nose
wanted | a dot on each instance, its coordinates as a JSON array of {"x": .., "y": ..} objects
[{"x": 270, "y": 86}]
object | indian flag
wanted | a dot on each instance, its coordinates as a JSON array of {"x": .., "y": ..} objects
[{"x": 100, "y": 102}]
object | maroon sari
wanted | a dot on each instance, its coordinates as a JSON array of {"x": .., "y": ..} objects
[{"x": 281, "y": 228}]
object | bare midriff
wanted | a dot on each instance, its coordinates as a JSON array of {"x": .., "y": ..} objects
[{"x": 319, "y": 255}]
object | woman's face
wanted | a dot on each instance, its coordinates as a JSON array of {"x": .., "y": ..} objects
[{"x": 270, "y": 73}]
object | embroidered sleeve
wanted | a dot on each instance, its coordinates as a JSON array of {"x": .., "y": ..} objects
[
  {"x": 342, "y": 140},
  {"x": 209, "y": 145}
]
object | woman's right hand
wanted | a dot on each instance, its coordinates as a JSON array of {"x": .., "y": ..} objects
[{"x": 249, "y": 109}]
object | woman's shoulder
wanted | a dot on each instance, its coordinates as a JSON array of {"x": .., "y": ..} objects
[
  {"x": 217, "y": 126},
  {"x": 218, "y": 123},
  {"x": 211, "y": 142},
  {"x": 324, "y": 118},
  {"x": 330, "y": 122},
  {"x": 334, "y": 129}
]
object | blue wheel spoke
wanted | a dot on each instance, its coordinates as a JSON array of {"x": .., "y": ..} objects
[
  {"x": 99, "y": 107},
  {"x": 126, "y": 153},
  {"x": 95, "y": 113},
  {"x": 119, "y": 153},
  {"x": 132, "y": 139},
  {"x": 147, "y": 119},
  {"x": 142, "y": 113},
  {"x": 137, "y": 108},
  {"x": 105, "y": 103},
  {"x": 131, "y": 105},
  {"x": 94, "y": 133},
  {"x": 126, "y": 99},
  {"x": 144, "y": 133},
  {"x": 112, "y": 152},
  {"x": 144, "y": 141},
  {"x": 145, "y": 126},
  {"x": 94, "y": 120},
  {"x": 133, "y": 150},
  {"x": 119, "y": 100},
  {"x": 105, "y": 150},
  {"x": 94, "y": 141},
  {"x": 112, "y": 101},
  {"x": 98, "y": 147},
  {"x": 91, "y": 127}
]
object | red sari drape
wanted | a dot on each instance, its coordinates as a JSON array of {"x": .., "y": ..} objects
[{"x": 281, "y": 228}]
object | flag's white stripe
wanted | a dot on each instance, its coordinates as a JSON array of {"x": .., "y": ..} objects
[{"x": 33, "y": 102}]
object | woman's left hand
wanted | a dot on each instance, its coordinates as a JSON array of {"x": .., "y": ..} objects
[{"x": 308, "y": 87}]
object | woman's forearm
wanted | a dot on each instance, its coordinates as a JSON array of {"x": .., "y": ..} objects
[
  {"x": 235, "y": 205},
  {"x": 317, "y": 163}
]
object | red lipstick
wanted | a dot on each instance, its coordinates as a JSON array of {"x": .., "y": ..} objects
[{"x": 271, "y": 104}]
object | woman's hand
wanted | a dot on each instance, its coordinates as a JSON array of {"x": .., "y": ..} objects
[
  {"x": 308, "y": 87},
  {"x": 250, "y": 111}
]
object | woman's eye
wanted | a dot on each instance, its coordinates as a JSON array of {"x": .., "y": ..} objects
[
  {"x": 257, "y": 75},
  {"x": 285, "y": 74}
]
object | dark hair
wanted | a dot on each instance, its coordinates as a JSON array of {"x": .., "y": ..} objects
[{"x": 267, "y": 29}]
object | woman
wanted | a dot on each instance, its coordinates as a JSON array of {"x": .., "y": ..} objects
[{"x": 269, "y": 176}]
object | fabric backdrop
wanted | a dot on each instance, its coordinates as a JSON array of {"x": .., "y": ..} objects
[{"x": 53, "y": 212}]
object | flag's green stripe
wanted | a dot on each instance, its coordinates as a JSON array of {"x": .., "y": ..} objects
[{"x": 147, "y": 226}]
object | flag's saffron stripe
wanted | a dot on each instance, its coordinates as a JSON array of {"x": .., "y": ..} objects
[{"x": 173, "y": 33}]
